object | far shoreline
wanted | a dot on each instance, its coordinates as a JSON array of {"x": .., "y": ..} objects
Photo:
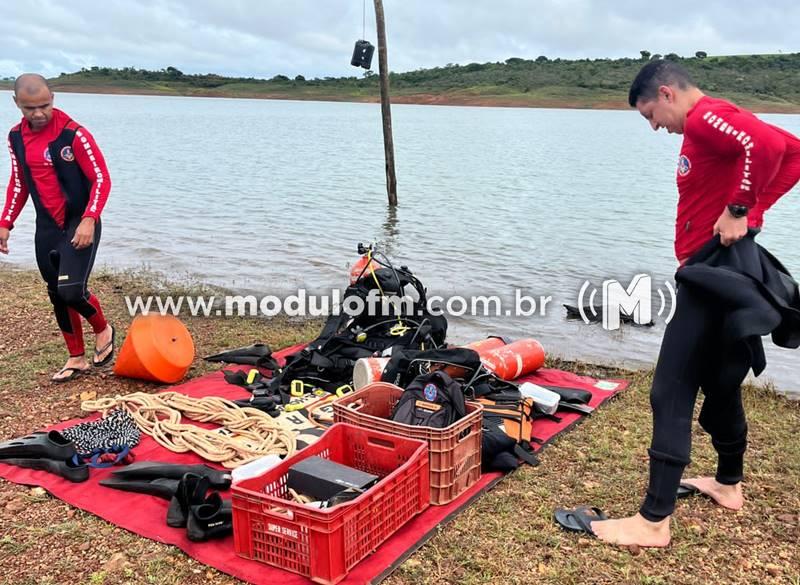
[{"x": 422, "y": 99}]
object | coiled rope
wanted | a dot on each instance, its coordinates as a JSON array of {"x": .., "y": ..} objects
[{"x": 244, "y": 434}]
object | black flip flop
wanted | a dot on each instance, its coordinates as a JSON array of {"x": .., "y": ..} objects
[
  {"x": 580, "y": 519},
  {"x": 687, "y": 490},
  {"x": 73, "y": 374},
  {"x": 110, "y": 356}
]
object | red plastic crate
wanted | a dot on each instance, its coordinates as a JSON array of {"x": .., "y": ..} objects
[
  {"x": 454, "y": 452},
  {"x": 325, "y": 544}
]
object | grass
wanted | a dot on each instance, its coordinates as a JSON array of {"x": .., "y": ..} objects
[{"x": 507, "y": 536}]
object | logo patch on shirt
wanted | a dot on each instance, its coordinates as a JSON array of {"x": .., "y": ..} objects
[
  {"x": 67, "y": 155},
  {"x": 430, "y": 392},
  {"x": 47, "y": 156},
  {"x": 684, "y": 165}
]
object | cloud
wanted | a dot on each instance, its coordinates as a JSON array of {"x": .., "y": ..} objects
[{"x": 315, "y": 37}]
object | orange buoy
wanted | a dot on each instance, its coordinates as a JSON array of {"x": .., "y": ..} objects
[
  {"x": 482, "y": 346},
  {"x": 516, "y": 359},
  {"x": 362, "y": 268},
  {"x": 368, "y": 370},
  {"x": 158, "y": 348}
]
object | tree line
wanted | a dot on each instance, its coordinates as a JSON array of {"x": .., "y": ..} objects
[{"x": 767, "y": 76}]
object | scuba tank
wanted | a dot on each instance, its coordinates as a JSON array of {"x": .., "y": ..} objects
[
  {"x": 363, "y": 267},
  {"x": 516, "y": 359}
]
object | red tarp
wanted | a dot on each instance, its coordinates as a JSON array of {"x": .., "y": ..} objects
[{"x": 145, "y": 515}]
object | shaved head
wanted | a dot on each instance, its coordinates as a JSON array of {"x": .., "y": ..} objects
[
  {"x": 30, "y": 84},
  {"x": 34, "y": 99}
]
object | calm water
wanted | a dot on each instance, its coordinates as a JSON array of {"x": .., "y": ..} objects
[{"x": 267, "y": 196}]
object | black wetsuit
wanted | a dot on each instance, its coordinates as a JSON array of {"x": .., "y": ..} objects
[
  {"x": 64, "y": 172},
  {"x": 66, "y": 272},
  {"x": 728, "y": 298}
]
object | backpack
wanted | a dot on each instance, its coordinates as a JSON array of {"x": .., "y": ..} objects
[
  {"x": 505, "y": 412},
  {"x": 431, "y": 400},
  {"x": 327, "y": 362},
  {"x": 405, "y": 365}
]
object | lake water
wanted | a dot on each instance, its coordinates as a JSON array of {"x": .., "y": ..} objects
[{"x": 267, "y": 196}]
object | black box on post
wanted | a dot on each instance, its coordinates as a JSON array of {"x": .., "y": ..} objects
[{"x": 362, "y": 54}]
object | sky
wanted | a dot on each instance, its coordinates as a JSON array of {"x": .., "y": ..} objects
[{"x": 263, "y": 38}]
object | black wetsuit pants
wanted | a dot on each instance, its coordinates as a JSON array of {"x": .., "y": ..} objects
[
  {"x": 693, "y": 356},
  {"x": 66, "y": 272}
]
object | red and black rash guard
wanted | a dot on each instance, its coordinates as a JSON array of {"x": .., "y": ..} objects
[
  {"x": 38, "y": 158},
  {"x": 728, "y": 157}
]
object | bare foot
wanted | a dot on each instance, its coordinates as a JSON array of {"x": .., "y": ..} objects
[
  {"x": 103, "y": 341},
  {"x": 727, "y": 496},
  {"x": 635, "y": 530},
  {"x": 73, "y": 368}
]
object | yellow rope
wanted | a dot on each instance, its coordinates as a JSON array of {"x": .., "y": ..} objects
[{"x": 243, "y": 434}]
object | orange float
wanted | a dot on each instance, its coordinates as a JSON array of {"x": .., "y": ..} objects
[
  {"x": 157, "y": 348},
  {"x": 516, "y": 359}
]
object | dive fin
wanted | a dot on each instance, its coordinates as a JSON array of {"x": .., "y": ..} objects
[
  {"x": 67, "y": 468},
  {"x": 568, "y": 394},
  {"x": 161, "y": 487},
  {"x": 579, "y": 408},
  {"x": 52, "y": 445},
  {"x": 156, "y": 469},
  {"x": 258, "y": 354}
]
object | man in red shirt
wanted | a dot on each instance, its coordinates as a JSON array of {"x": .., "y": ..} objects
[
  {"x": 57, "y": 163},
  {"x": 732, "y": 168}
]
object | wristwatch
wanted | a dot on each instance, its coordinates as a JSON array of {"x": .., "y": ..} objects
[{"x": 738, "y": 211}]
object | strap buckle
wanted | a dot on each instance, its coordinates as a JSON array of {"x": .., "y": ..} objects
[
  {"x": 297, "y": 388},
  {"x": 251, "y": 376},
  {"x": 343, "y": 389}
]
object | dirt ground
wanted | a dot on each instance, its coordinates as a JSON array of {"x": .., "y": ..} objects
[{"x": 507, "y": 536}]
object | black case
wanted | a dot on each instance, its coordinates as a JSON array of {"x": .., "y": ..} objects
[{"x": 322, "y": 479}]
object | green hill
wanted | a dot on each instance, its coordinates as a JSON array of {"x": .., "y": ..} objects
[{"x": 762, "y": 82}]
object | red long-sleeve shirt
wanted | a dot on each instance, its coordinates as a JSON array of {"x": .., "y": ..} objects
[
  {"x": 728, "y": 157},
  {"x": 88, "y": 156}
]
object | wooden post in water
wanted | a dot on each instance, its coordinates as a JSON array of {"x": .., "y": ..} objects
[{"x": 386, "y": 108}]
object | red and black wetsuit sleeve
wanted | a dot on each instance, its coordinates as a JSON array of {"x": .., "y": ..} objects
[
  {"x": 93, "y": 165},
  {"x": 757, "y": 148},
  {"x": 16, "y": 193}
]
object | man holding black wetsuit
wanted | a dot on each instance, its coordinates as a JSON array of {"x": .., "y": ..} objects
[
  {"x": 732, "y": 168},
  {"x": 57, "y": 162}
]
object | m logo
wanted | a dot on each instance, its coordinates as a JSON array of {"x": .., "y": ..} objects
[{"x": 634, "y": 301}]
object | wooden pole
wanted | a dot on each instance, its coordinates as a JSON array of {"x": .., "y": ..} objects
[{"x": 386, "y": 108}]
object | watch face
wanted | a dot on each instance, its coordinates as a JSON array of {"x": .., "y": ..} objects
[{"x": 738, "y": 210}]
